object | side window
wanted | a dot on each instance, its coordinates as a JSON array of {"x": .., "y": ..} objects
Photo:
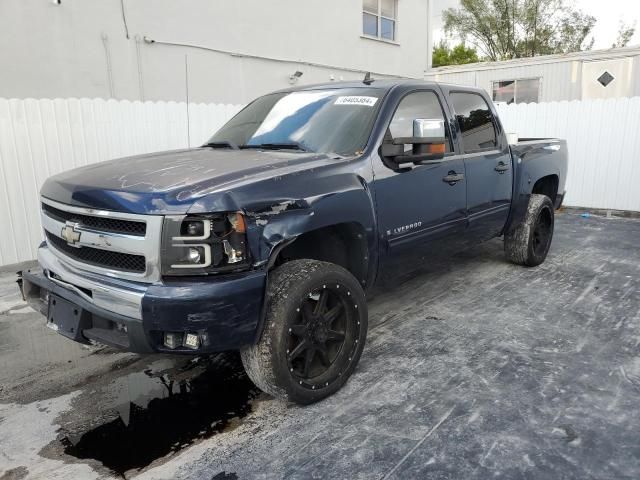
[
  {"x": 416, "y": 105},
  {"x": 476, "y": 122}
]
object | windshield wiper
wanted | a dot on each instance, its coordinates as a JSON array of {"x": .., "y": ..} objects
[
  {"x": 278, "y": 146},
  {"x": 222, "y": 144}
]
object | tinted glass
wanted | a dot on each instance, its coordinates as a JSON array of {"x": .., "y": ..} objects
[
  {"x": 416, "y": 105},
  {"x": 370, "y": 24},
  {"x": 326, "y": 121},
  {"x": 387, "y": 28},
  {"x": 475, "y": 120}
]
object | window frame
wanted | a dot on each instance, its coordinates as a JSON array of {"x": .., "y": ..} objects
[
  {"x": 379, "y": 18},
  {"x": 515, "y": 88},
  {"x": 462, "y": 146},
  {"x": 452, "y": 145}
]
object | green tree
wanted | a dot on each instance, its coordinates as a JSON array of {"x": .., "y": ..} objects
[
  {"x": 625, "y": 33},
  {"x": 506, "y": 29},
  {"x": 458, "y": 55}
]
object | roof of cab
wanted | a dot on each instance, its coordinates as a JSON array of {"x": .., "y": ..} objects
[{"x": 386, "y": 84}]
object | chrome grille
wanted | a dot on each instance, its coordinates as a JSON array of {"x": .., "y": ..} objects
[
  {"x": 120, "y": 245},
  {"x": 103, "y": 224},
  {"x": 100, "y": 258}
]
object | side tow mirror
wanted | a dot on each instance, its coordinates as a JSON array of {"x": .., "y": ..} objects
[
  {"x": 429, "y": 144},
  {"x": 429, "y": 136}
]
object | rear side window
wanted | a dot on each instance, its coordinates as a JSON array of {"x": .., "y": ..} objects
[
  {"x": 476, "y": 122},
  {"x": 416, "y": 105}
]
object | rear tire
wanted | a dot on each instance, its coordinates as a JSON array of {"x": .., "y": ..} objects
[
  {"x": 314, "y": 332},
  {"x": 528, "y": 242}
]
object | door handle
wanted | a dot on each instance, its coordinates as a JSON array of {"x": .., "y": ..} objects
[
  {"x": 501, "y": 168},
  {"x": 452, "y": 178}
]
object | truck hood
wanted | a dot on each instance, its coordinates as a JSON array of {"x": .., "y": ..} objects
[{"x": 171, "y": 182}]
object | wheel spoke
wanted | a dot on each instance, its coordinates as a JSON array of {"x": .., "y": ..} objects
[
  {"x": 332, "y": 314},
  {"x": 324, "y": 356},
  {"x": 334, "y": 335},
  {"x": 299, "y": 330},
  {"x": 301, "y": 347},
  {"x": 308, "y": 358},
  {"x": 321, "y": 306},
  {"x": 307, "y": 311}
]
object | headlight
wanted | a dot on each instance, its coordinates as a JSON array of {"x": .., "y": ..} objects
[{"x": 201, "y": 244}]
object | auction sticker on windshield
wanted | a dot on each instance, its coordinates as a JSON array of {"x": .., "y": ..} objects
[{"x": 356, "y": 100}]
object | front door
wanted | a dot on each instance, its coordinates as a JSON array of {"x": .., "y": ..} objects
[{"x": 421, "y": 209}]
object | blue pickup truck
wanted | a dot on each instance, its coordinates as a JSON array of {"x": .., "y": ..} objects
[{"x": 266, "y": 238}]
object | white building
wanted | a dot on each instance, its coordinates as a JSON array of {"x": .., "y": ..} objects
[
  {"x": 225, "y": 51},
  {"x": 610, "y": 73}
]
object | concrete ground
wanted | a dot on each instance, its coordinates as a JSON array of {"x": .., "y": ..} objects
[{"x": 472, "y": 370}]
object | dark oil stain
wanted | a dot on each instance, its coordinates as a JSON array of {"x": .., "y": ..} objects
[
  {"x": 164, "y": 409},
  {"x": 225, "y": 476}
]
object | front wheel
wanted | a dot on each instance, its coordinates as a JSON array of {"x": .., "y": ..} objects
[
  {"x": 314, "y": 332},
  {"x": 528, "y": 242}
]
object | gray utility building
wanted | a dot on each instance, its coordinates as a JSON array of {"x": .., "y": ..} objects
[{"x": 609, "y": 73}]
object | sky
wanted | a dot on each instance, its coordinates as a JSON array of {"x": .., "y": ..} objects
[{"x": 607, "y": 12}]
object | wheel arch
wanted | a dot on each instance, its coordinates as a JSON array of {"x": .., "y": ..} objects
[
  {"x": 547, "y": 185},
  {"x": 344, "y": 244}
]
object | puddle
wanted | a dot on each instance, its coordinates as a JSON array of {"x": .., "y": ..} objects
[{"x": 165, "y": 409}]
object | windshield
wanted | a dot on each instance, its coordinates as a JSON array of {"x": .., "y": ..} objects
[{"x": 326, "y": 121}]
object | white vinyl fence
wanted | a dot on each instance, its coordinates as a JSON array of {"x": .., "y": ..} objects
[
  {"x": 603, "y": 138},
  {"x": 39, "y": 138}
]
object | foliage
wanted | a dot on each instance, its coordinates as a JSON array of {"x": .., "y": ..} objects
[
  {"x": 625, "y": 33},
  {"x": 506, "y": 29},
  {"x": 458, "y": 55}
]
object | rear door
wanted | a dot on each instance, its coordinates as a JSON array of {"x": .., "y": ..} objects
[
  {"x": 487, "y": 160},
  {"x": 419, "y": 211}
]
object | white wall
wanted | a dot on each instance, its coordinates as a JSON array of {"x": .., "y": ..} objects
[
  {"x": 603, "y": 142},
  {"x": 79, "y": 48},
  {"x": 39, "y": 138}
]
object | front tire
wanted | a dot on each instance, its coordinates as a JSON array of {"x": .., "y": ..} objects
[
  {"x": 314, "y": 332},
  {"x": 528, "y": 242}
]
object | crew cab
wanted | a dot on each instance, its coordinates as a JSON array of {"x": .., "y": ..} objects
[{"x": 267, "y": 238}]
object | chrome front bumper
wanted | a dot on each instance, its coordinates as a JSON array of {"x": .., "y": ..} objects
[
  {"x": 107, "y": 293},
  {"x": 224, "y": 311}
]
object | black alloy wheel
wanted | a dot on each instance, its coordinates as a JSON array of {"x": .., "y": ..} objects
[
  {"x": 315, "y": 328},
  {"x": 527, "y": 241},
  {"x": 326, "y": 330},
  {"x": 542, "y": 232}
]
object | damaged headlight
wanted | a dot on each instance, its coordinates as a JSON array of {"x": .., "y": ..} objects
[{"x": 200, "y": 244}]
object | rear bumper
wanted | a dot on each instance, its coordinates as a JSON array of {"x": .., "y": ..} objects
[{"x": 223, "y": 311}]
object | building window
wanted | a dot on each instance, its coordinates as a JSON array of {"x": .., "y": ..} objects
[
  {"x": 517, "y": 91},
  {"x": 379, "y": 18}
]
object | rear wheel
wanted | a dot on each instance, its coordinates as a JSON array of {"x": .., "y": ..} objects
[
  {"x": 528, "y": 243},
  {"x": 315, "y": 330}
]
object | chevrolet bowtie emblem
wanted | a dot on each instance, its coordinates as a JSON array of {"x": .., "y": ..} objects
[{"x": 70, "y": 234}]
